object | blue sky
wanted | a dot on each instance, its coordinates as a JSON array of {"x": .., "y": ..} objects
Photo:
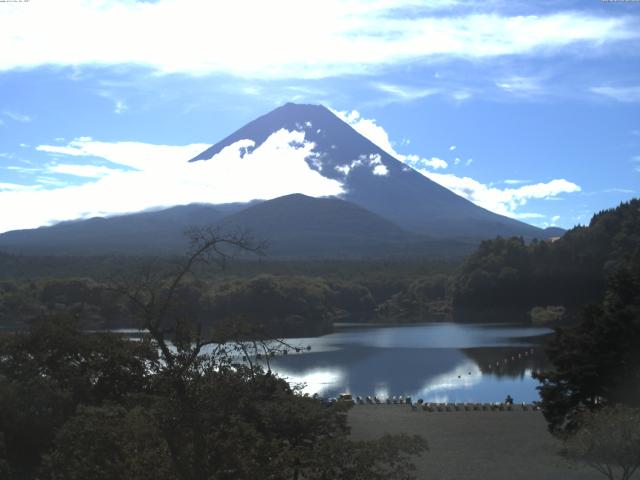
[{"x": 530, "y": 109}]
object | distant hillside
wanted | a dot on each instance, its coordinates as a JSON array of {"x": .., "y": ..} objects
[
  {"x": 294, "y": 226},
  {"x": 155, "y": 232},
  {"x": 298, "y": 225},
  {"x": 554, "y": 232}
]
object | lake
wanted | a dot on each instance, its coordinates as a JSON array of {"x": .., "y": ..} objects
[{"x": 437, "y": 362}]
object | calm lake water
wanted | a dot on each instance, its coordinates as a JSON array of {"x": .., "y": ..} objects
[{"x": 442, "y": 362}]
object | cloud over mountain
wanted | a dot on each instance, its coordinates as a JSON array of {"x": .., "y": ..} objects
[
  {"x": 504, "y": 201},
  {"x": 159, "y": 175}
]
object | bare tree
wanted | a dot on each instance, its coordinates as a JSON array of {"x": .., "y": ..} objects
[
  {"x": 180, "y": 337},
  {"x": 608, "y": 441}
]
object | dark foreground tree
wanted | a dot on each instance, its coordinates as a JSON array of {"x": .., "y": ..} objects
[
  {"x": 187, "y": 402},
  {"x": 597, "y": 363}
]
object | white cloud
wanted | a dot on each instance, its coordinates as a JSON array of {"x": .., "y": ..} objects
[
  {"x": 519, "y": 85},
  {"x": 405, "y": 93},
  {"x": 14, "y": 187},
  {"x": 526, "y": 215},
  {"x": 461, "y": 95},
  {"x": 136, "y": 155},
  {"x": 468, "y": 162},
  {"x": 621, "y": 94},
  {"x": 555, "y": 219},
  {"x": 120, "y": 107},
  {"x": 88, "y": 171},
  {"x": 452, "y": 148},
  {"x": 161, "y": 176},
  {"x": 433, "y": 162},
  {"x": 318, "y": 39},
  {"x": 372, "y": 160},
  {"x": 380, "y": 170},
  {"x": 367, "y": 128},
  {"x": 503, "y": 201},
  {"x": 513, "y": 181},
  {"x": 375, "y": 133}
]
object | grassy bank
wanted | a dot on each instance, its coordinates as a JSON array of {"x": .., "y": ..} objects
[{"x": 500, "y": 445}]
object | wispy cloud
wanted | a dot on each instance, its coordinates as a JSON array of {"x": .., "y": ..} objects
[
  {"x": 505, "y": 201},
  {"x": 403, "y": 93},
  {"x": 160, "y": 175},
  {"x": 322, "y": 39},
  {"x": 520, "y": 85},
  {"x": 15, "y": 187},
  {"x": 21, "y": 169},
  {"x": 529, "y": 215},
  {"x": 88, "y": 171},
  {"x": 119, "y": 105},
  {"x": 369, "y": 128},
  {"x": 621, "y": 94},
  {"x": 17, "y": 117}
]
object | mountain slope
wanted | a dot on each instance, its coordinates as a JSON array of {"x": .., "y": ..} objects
[
  {"x": 402, "y": 195},
  {"x": 293, "y": 226},
  {"x": 302, "y": 226},
  {"x": 140, "y": 233}
]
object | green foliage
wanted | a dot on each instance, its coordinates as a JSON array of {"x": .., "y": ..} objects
[
  {"x": 103, "y": 443},
  {"x": 546, "y": 315},
  {"x": 290, "y": 305},
  {"x": 426, "y": 298},
  {"x": 46, "y": 373},
  {"x": 276, "y": 305}
]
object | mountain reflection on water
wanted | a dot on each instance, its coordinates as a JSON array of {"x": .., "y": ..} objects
[{"x": 441, "y": 362}]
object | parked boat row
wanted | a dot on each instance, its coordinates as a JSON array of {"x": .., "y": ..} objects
[{"x": 434, "y": 407}]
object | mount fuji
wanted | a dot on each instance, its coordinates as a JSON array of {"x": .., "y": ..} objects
[
  {"x": 375, "y": 180},
  {"x": 383, "y": 205}
]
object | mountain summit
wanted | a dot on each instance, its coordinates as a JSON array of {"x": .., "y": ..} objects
[{"x": 375, "y": 180}]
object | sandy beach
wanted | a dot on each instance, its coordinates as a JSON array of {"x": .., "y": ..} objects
[{"x": 499, "y": 445}]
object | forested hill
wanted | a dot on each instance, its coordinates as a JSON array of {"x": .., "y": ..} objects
[{"x": 507, "y": 274}]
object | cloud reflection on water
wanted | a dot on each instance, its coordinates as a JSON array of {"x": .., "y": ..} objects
[{"x": 320, "y": 380}]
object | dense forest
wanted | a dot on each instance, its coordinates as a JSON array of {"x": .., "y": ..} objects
[
  {"x": 505, "y": 279},
  {"x": 506, "y": 275},
  {"x": 281, "y": 297}
]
